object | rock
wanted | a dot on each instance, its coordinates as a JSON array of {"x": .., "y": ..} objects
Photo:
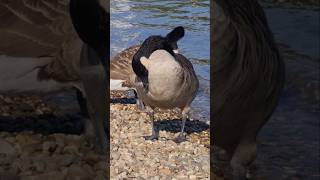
[
  {"x": 59, "y": 139},
  {"x": 31, "y": 148},
  {"x": 102, "y": 165},
  {"x": 54, "y": 162},
  {"x": 71, "y": 149},
  {"x": 55, "y": 175},
  {"x": 8, "y": 176},
  {"x": 49, "y": 146},
  {"x": 27, "y": 139},
  {"x": 91, "y": 158},
  {"x": 192, "y": 177},
  {"x": 26, "y": 107},
  {"x": 7, "y": 148},
  {"x": 38, "y": 112},
  {"x": 165, "y": 171},
  {"x": 23, "y": 164},
  {"x": 78, "y": 172},
  {"x": 64, "y": 160},
  {"x": 101, "y": 175},
  {"x": 39, "y": 166}
]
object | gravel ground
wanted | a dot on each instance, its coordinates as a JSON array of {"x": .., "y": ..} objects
[
  {"x": 36, "y": 143},
  {"x": 132, "y": 157},
  {"x": 39, "y": 142}
]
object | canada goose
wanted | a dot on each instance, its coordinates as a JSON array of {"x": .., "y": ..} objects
[
  {"x": 162, "y": 78},
  {"x": 41, "y": 52},
  {"x": 248, "y": 77},
  {"x": 122, "y": 76}
]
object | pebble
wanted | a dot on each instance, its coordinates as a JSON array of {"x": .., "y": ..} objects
[{"x": 7, "y": 148}]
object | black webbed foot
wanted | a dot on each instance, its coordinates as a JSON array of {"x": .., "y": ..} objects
[
  {"x": 151, "y": 138},
  {"x": 180, "y": 138}
]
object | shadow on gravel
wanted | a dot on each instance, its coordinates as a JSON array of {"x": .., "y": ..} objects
[
  {"x": 174, "y": 126},
  {"x": 44, "y": 124},
  {"x": 123, "y": 100}
]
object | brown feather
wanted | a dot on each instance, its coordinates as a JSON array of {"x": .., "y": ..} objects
[{"x": 41, "y": 28}]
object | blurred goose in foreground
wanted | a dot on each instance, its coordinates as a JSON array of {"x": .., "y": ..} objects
[
  {"x": 41, "y": 52},
  {"x": 162, "y": 78},
  {"x": 248, "y": 76}
]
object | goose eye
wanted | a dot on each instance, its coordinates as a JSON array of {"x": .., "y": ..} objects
[{"x": 176, "y": 51}]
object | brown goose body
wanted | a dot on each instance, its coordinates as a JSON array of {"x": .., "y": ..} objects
[
  {"x": 172, "y": 81},
  {"x": 248, "y": 77},
  {"x": 121, "y": 66},
  {"x": 41, "y": 30}
]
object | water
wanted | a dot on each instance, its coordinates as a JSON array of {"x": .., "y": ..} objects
[
  {"x": 132, "y": 21},
  {"x": 289, "y": 143}
]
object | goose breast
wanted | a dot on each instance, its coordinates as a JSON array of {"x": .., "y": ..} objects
[{"x": 171, "y": 84}]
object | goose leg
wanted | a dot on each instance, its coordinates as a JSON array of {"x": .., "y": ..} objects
[
  {"x": 82, "y": 103},
  {"x": 243, "y": 156},
  {"x": 95, "y": 84},
  {"x": 181, "y": 137},
  {"x": 139, "y": 103},
  {"x": 89, "y": 129},
  {"x": 94, "y": 80},
  {"x": 155, "y": 132}
]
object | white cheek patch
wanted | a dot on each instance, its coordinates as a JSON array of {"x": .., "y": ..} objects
[
  {"x": 160, "y": 55},
  {"x": 145, "y": 62},
  {"x": 176, "y": 51}
]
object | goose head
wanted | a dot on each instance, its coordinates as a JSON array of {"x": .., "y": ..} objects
[
  {"x": 174, "y": 36},
  {"x": 153, "y": 43}
]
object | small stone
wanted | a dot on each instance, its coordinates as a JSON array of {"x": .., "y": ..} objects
[
  {"x": 91, "y": 157},
  {"x": 102, "y": 165},
  {"x": 38, "y": 112},
  {"x": 71, "y": 149},
  {"x": 39, "y": 166},
  {"x": 78, "y": 172},
  {"x": 9, "y": 176},
  {"x": 100, "y": 176},
  {"x": 6, "y": 148},
  {"x": 165, "y": 171},
  {"x": 55, "y": 175},
  {"x": 48, "y": 146}
]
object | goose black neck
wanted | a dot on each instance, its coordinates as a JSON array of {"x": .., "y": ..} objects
[
  {"x": 138, "y": 67},
  {"x": 90, "y": 21}
]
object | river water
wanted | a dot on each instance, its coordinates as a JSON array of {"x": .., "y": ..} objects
[{"x": 289, "y": 143}]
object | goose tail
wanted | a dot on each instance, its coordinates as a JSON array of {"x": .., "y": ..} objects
[{"x": 121, "y": 72}]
